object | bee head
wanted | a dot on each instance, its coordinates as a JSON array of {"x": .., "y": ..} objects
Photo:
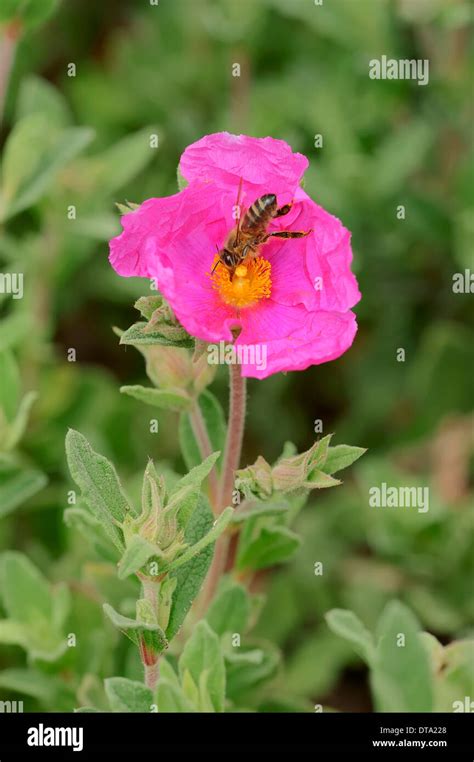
[{"x": 226, "y": 257}]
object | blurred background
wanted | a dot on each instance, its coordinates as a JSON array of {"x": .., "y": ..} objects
[{"x": 142, "y": 68}]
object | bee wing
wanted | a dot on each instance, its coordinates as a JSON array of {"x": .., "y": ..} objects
[{"x": 239, "y": 193}]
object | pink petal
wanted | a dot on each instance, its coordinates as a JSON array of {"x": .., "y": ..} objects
[
  {"x": 265, "y": 165},
  {"x": 319, "y": 337}
]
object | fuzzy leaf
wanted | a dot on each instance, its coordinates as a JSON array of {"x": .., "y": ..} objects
[
  {"x": 26, "y": 178},
  {"x": 137, "y": 553},
  {"x": 340, "y": 457},
  {"x": 18, "y": 425},
  {"x": 18, "y": 485},
  {"x": 91, "y": 529},
  {"x": 401, "y": 675},
  {"x": 273, "y": 545},
  {"x": 128, "y": 695},
  {"x": 255, "y": 507},
  {"x": 36, "y": 611},
  {"x": 167, "y": 399},
  {"x": 99, "y": 483},
  {"x": 348, "y": 626},
  {"x": 139, "y": 334},
  {"x": 202, "y": 654},
  {"x": 196, "y": 476},
  {"x": 252, "y": 666},
  {"x": 171, "y": 699},
  {"x": 319, "y": 480},
  {"x": 135, "y": 630},
  {"x": 147, "y": 305},
  {"x": 229, "y": 611},
  {"x": 218, "y": 527},
  {"x": 186, "y": 492},
  {"x": 191, "y": 575}
]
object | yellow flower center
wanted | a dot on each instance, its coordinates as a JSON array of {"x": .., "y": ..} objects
[{"x": 250, "y": 283}]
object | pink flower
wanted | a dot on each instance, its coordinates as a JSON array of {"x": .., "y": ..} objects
[{"x": 294, "y": 300}]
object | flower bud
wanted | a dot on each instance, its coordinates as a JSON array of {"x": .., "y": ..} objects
[{"x": 255, "y": 479}]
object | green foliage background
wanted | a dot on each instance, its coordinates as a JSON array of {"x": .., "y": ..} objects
[{"x": 83, "y": 141}]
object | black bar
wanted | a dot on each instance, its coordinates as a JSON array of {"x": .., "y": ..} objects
[{"x": 443, "y": 734}]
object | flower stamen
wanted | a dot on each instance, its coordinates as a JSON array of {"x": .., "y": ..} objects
[{"x": 250, "y": 283}]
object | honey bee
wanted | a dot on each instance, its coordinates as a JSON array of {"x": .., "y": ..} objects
[{"x": 250, "y": 233}]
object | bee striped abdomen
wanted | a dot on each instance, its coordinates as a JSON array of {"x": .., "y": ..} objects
[{"x": 261, "y": 211}]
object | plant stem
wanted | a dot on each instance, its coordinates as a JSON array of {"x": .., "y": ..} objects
[
  {"x": 150, "y": 661},
  {"x": 235, "y": 435},
  {"x": 205, "y": 448},
  {"x": 233, "y": 449},
  {"x": 152, "y": 675}
]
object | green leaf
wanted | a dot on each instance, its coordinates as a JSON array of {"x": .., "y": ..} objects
[
  {"x": 19, "y": 424},
  {"x": 126, "y": 208},
  {"x": 147, "y": 305},
  {"x": 33, "y": 155},
  {"x": 17, "y": 485},
  {"x": 36, "y": 612},
  {"x": 348, "y": 626},
  {"x": 31, "y": 13},
  {"x": 137, "y": 630},
  {"x": 214, "y": 421},
  {"x": 251, "y": 666},
  {"x": 273, "y": 545},
  {"x": 9, "y": 384},
  {"x": 14, "y": 327},
  {"x": 398, "y": 156},
  {"x": 196, "y": 476},
  {"x": 218, "y": 527},
  {"x": 182, "y": 182},
  {"x": 128, "y": 695},
  {"x": 453, "y": 675},
  {"x": 37, "y": 95},
  {"x": 137, "y": 553},
  {"x": 91, "y": 529},
  {"x": 13, "y": 633},
  {"x": 171, "y": 699},
  {"x": 25, "y": 591},
  {"x": 229, "y": 611},
  {"x": 139, "y": 334},
  {"x": 202, "y": 654},
  {"x": 191, "y": 575},
  {"x": 98, "y": 226},
  {"x": 167, "y": 399},
  {"x": 31, "y": 682},
  {"x": 254, "y": 508},
  {"x": 167, "y": 672},
  {"x": 401, "y": 675},
  {"x": 340, "y": 457},
  {"x": 115, "y": 167},
  {"x": 99, "y": 484},
  {"x": 187, "y": 490},
  {"x": 319, "y": 480}
]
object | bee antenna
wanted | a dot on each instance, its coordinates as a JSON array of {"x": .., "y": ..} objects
[{"x": 218, "y": 261}]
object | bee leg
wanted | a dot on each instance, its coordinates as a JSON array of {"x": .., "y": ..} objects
[
  {"x": 289, "y": 234},
  {"x": 283, "y": 210}
]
